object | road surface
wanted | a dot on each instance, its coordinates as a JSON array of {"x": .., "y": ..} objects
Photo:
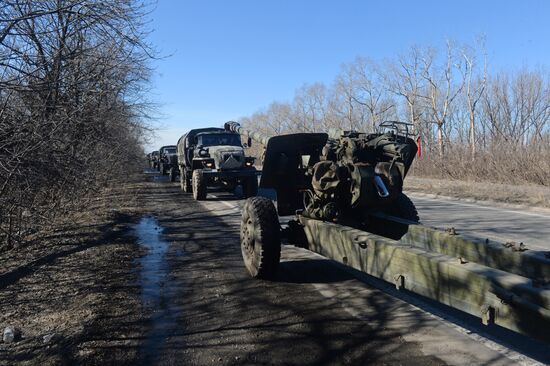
[{"x": 316, "y": 312}]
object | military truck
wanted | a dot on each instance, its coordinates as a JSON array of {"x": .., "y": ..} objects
[
  {"x": 215, "y": 157},
  {"x": 168, "y": 161},
  {"x": 153, "y": 158}
]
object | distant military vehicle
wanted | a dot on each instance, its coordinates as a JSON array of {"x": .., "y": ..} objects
[
  {"x": 153, "y": 159},
  {"x": 214, "y": 157},
  {"x": 168, "y": 161}
]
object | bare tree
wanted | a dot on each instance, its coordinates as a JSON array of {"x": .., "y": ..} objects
[
  {"x": 371, "y": 92},
  {"x": 475, "y": 87},
  {"x": 442, "y": 89},
  {"x": 309, "y": 106},
  {"x": 344, "y": 106},
  {"x": 404, "y": 79},
  {"x": 500, "y": 121},
  {"x": 72, "y": 79}
]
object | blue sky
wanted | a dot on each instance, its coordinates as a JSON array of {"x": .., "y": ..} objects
[{"x": 230, "y": 58}]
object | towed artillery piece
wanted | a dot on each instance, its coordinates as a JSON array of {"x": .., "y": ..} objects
[
  {"x": 342, "y": 176},
  {"x": 345, "y": 192},
  {"x": 213, "y": 156}
]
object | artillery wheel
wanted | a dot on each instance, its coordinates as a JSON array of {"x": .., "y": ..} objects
[
  {"x": 250, "y": 187},
  {"x": 172, "y": 174},
  {"x": 404, "y": 208},
  {"x": 260, "y": 237},
  {"x": 199, "y": 185}
]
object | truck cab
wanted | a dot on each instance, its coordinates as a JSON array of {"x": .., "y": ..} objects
[{"x": 214, "y": 157}]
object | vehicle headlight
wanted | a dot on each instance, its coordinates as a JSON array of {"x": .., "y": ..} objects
[
  {"x": 249, "y": 161},
  {"x": 203, "y": 153},
  {"x": 208, "y": 163}
]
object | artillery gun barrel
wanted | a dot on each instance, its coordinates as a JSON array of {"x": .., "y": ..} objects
[{"x": 256, "y": 136}]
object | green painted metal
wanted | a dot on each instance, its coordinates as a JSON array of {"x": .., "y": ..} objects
[
  {"x": 442, "y": 267},
  {"x": 528, "y": 263}
]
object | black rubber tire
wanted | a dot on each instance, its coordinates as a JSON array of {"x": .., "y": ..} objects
[
  {"x": 404, "y": 208},
  {"x": 250, "y": 187},
  {"x": 199, "y": 185},
  {"x": 260, "y": 238},
  {"x": 172, "y": 174}
]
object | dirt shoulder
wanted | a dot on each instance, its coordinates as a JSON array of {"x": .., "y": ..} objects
[
  {"x": 65, "y": 291},
  {"x": 524, "y": 195}
]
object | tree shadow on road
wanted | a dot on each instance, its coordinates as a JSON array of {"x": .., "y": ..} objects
[{"x": 226, "y": 317}]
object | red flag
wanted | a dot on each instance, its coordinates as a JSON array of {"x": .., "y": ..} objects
[{"x": 419, "y": 152}]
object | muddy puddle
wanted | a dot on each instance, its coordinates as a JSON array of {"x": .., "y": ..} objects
[{"x": 156, "y": 290}]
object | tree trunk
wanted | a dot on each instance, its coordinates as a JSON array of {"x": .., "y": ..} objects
[
  {"x": 472, "y": 136},
  {"x": 440, "y": 139}
]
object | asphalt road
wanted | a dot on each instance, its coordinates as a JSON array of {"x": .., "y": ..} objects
[
  {"x": 316, "y": 312},
  {"x": 503, "y": 224}
]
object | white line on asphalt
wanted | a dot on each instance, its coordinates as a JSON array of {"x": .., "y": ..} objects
[{"x": 225, "y": 203}]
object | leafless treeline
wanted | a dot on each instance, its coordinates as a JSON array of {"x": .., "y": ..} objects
[
  {"x": 473, "y": 123},
  {"x": 72, "y": 76}
]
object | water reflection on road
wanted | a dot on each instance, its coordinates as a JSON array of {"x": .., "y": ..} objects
[{"x": 156, "y": 291}]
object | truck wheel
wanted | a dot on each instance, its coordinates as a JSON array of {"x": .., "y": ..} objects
[
  {"x": 199, "y": 185},
  {"x": 250, "y": 187},
  {"x": 185, "y": 183},
  {"x": 172, "y": 174},
  {"x": 260, "y": 237}
]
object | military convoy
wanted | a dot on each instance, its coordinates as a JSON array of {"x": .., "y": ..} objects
[
  {"x": 344, "y": 192},
  {"x": 214, "y": 157}
]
